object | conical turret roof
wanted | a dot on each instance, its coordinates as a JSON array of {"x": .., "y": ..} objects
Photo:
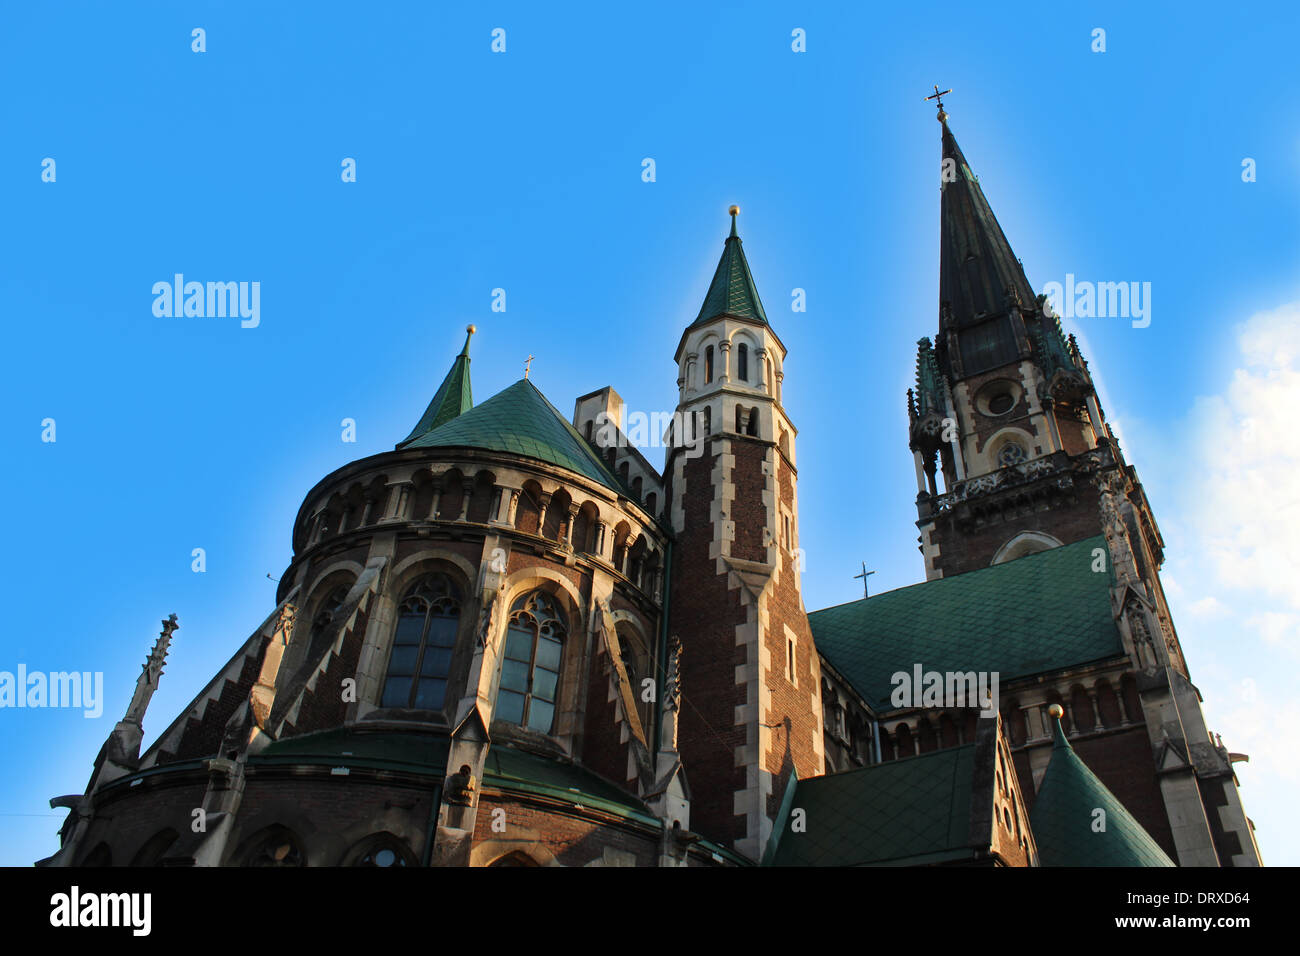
[
  {"x": 732, "y": 291},
  {"x": 1067, "y": 827},
  {"x": 520, "y": 421},
  {"x": 452, "y": 398}
]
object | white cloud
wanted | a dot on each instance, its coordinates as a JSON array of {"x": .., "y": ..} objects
[
  {"x": 1208, "y": 607},
  {"x": 1229, "y": 478},
  {"x": 1246, "y": 481}
]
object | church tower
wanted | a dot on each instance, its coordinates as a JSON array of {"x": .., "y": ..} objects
[
  {"x": 752, "y": 719},
  {"x": 1004, "y": 411},
  {"x": 1006, "y": 415}
]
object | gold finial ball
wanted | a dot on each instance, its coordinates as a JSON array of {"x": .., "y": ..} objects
[
  {"x": 1056, "y": 711},
  {"x": 470, "y": 329},
  {"x": 734, "y": 210}
]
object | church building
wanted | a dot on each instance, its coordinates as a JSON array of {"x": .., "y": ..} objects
[{"x": 515, "y": 641}]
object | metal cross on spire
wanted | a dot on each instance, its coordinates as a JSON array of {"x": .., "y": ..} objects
[
  {"x": 528, "y": 364},
  {"x": 938, "y": 102},
  {"x": 864, "y": 575}
]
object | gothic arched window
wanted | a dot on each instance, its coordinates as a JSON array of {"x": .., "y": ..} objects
[
  {"x": 381, "y": 850},
  {"x": 530, "y": 668},
  {"x": 742, "y": 362},
  {"x": 427, "y": 621},
  {"x": 277, "y": 847},
  {"x": 320, "y": 625}
]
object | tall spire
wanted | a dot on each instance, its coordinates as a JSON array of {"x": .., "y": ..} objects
[
  {"x": 452, "y": 398},
  {"x": 732, "y": 291},
  {"x": 979, "y": 275}
]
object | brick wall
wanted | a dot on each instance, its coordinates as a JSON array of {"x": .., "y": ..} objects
[{"x": 704, "y": 616}]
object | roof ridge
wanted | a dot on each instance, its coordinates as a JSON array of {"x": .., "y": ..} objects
[{"x": 955, "y": 577}]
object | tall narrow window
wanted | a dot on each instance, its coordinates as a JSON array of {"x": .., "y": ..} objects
[
  {"x": 708, "y": 365},
  {"x": 742, "y": 362},
  {"x": 427, "y": 621},
  {"x": 530, "y": 669},
  {"x": 320, "y": 627}
]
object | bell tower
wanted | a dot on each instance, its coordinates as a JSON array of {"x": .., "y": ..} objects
[
  {"x": 1005, "y": 427},
  {"x": 1013, "y": 455},
  {"x": 751, "y": 714}
]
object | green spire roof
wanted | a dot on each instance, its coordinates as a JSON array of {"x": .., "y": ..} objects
[
  {"x": 451, "y": 399},
  {"x": 732, "y": 291},
  {"x": 519, "y": 420},
  {"x": 1066, "y": 808}
]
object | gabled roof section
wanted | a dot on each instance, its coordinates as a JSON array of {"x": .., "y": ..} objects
[
  {"x": 1042, "y": 612},
  {"x": 732, "y": 291},
  {"x": 976, "y": 264},
  {"x": 1065, "y": 814},
  {"x": 901, "y": 813},
  {"x": 520, "y": 421},
  {"x": 452, "y": 398}
]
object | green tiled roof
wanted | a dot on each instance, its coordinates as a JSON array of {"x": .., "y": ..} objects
[
  {"x": 452, "y": 398},
  {"x": 900, "y": 813},
  {"x": 1038, "y": 613},
  {"x": 732, "y": 291},
  {"x": 515, "y": 769},
  {"x": 1064, "y": 814},
  {"x": 389, "y": 749},
  {"x": 520, "y": 420}
]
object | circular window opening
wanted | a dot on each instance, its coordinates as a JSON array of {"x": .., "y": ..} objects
[
  {"x": 998, "y": 397},
  {"x": 1001, "y": 403},
  {"x": 1012, "y": 453}
]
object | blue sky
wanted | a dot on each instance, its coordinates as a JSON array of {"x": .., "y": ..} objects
[{"x": 522, "y": 170}]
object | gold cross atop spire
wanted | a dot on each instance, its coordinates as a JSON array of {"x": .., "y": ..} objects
[
  {"x": 938, "y": 98},
  {"x": 528, "y": 364}
]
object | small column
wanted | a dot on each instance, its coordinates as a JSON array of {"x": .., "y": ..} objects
[
  {"x": 761, "y": 355},
  {"x": 1033, "y": 721},
  {"x": 437, "y": 497},
  {"x": 543, "y": 506},
  {"x": 1096, "y": 710},
  {"x": 368, "y": 511},
  {"x": 393, "y": 503},
  {"x": 724, "y": 360},
  {"x": 598, "y": 546},
  {"x": 467, "y": 489},
  {"x": 780, "y": 376},
  {"x": 513, "y": 506},
  {"x": 317, "y": 528},
  {"x": 920, "y": 472},
  {"x": 568, "y": 529}
]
